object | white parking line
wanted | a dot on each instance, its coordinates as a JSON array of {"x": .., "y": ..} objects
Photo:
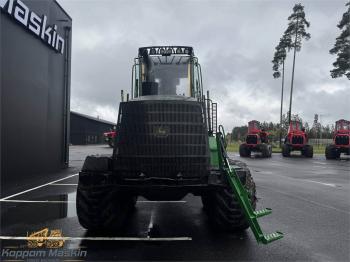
[
  {"x": 296, "y": 179},
  {"x": 69, "y": 201},
  {"x": 320, "y": 163},
  {"x": 148, "y": 201},
  {"x": 35, "y": 201},
  {"x": 325, "y": 184},
  {"x": 34, "y": 188},
  {"x": 104, "y": 238},
  {"x": 63, "y": 184}
]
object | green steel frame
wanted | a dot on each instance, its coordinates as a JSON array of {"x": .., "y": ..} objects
[{"x": 221, "y": 160}]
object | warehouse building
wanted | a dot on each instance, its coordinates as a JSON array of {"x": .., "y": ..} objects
[
  {"x": 85, "y": 129},
  {"x": 35, "y": 57}
]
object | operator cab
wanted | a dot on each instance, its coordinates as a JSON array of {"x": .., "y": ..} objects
[
  {"x": 255, "y": 133},
  {"x": 253, "y": 127},
  {"x": 295, "y": 125},
  {"x": 167, "y": 73},
  {"x": 342, "y": 125}
]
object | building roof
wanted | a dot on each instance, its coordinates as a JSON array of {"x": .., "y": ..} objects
[
  {"x": 64, "y": 11},
  {"x": 93, "y": 118}
]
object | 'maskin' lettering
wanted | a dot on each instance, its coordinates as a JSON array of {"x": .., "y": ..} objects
[{"x": 37, "y": 25}]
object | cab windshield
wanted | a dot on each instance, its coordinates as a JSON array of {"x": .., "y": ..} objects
[
  {"x": 342, "y": 125},
  {"x": 253, "y": 125},
  {"x": 166, "y": 75},
  {"x": 296, "y": 126}
]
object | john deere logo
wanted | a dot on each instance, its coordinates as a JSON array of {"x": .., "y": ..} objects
[{"x": 161, "y": 131}]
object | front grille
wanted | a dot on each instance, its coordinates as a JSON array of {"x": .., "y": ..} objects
[
  {"x": 252, "y": 139},
  {"x": 342, "y": 140},
  {"x": 297, "y": 140},
  {"x": 162, "y": 139}
]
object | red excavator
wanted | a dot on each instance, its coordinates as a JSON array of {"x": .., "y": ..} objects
[
  {"x": 256, "y": 141},
  {"x": 297, "y": 140},
  {"x": 341, "y": 141}
]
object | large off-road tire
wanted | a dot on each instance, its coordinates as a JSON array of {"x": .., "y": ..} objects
[
  {"x": 330, "y": 152},
  {"x": 265, "y": 150},
  {"x": 244, "y": 151},
  {"x": 285, "y": 150},
  {"x": 308, "y": 151},
  {"x": 222, "y": 206},
  {"x": 101, "y": 206}
]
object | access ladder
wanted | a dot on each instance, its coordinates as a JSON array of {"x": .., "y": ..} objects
[{"x": 243, "y": 198}]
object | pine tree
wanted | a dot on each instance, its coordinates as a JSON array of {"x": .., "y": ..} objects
[
  {"x": 280, "y": 56},
  {"x": 296, "y": 32},
  {"x": 278, "y": 59},
  {"x": 342, "y": 47}
]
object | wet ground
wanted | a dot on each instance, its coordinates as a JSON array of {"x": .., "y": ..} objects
[{"x": 310, "y": 199}]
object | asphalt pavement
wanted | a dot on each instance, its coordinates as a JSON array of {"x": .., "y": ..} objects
[{"x": 310, "y": 199}]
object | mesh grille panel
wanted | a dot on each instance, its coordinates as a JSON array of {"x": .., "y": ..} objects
[
  {"x": 297, "y": 140},
  {"x": 252, "y": 139},
  {"x": 342, "y": 140},
  {"x": 162, "y": 139}
]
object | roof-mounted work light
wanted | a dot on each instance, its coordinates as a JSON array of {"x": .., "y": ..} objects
[
  {"x": 169, "y": 51},
  {"x": 152, "y": 51},
  {"x": 166, "y": 50}
]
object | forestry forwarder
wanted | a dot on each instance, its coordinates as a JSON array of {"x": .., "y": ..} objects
[{"x": 168, "y": 145}]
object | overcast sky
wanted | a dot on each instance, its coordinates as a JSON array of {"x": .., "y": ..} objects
[{"x": 234, "y": 41}]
